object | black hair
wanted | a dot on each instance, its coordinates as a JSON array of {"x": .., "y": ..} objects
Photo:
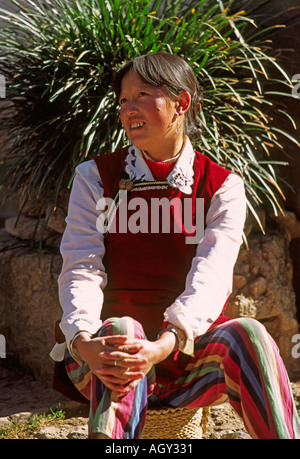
[{"x": 175, "y": 74}]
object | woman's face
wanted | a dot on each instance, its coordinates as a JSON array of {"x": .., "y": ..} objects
[{"x": 149, "y": 117}]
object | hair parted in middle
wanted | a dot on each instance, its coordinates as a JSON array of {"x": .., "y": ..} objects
[{"x": 175, "y": 75}]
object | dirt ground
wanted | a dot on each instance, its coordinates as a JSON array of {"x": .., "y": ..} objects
[{"x": 21, "y": 396}]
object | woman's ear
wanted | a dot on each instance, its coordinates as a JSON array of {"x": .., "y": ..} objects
[{"x": 183, "y": 102}]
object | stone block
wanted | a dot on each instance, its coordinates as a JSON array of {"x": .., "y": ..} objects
[
  {"x": 29, "y": 305},
  {"x": 263, "y": 289}
]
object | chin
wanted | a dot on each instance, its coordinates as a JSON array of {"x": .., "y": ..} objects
[{"x": 138, "y": 143}]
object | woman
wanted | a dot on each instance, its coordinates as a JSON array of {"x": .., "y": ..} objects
[{"x": 144, "y": 290}]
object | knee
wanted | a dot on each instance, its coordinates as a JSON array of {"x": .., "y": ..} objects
[
  {"x": 249, "y": 322},
  {"x": 122, "y": 326},
  {"x": 253, "y": 328}
]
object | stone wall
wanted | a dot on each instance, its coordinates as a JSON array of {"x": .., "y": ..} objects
[
  {"x": 286, "y": 43},
  {"x": 29, "y": 305},
  {"x": 263, "y": 289}
]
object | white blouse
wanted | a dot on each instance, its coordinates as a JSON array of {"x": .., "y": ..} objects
[{"x": 209, "y": 282}]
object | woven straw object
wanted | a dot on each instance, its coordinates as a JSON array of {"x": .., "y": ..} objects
[{"x": 172, "y": 423}]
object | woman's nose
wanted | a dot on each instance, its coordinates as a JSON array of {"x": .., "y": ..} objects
[{"x": 132, "y": 107}]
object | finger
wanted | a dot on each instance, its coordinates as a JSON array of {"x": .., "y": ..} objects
[
  {"x": 127, "y": 348},
  {"x": 117, "y": 384},
  {"x": 123, "y": 340},
  {"x": 118, "y": 352},
  {"x": 124, "y": 359},
  {"x": 119, "y": 388},
  {"x": 118, "y": 394},
  {"x": 129, "y": 387},
  {"x": 117, "y": 373},
  {"x": 115, "y": 340},
  {"x": 134, "y": 342},
  {"x": 133, "y": 362},
  {"x": 130, "y": 348}
]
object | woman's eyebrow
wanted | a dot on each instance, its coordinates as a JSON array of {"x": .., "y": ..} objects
[{"x": 139, "y": 87}]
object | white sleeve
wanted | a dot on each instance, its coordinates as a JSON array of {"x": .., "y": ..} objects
[
  {"x": 209, "y": 281},
  {"x": 83, "y": 276}
]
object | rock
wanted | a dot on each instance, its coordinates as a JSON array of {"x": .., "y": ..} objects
[
  {"x": 4, "y": 421},
  {"x": 222, "y": 421},
  {"x": 29, "y": 207},
  {"x": 21, "y": 417},
  {"x": 27, "y": 228},
  {"x": 56, "y": 218},
  {"x": 74, "y": 428},
  {"x": 236, "y": 436},
  {"x": 81, "y": 432},
  {"x": 267, "y": 294},
  {"x": 257, "y": 287},
  {"x": 52, "y": 432},
  {"x": 29, "y": 305},
  {"x": 239, "y": 281},
  {"x": 246, "y": 307},
  {"x": 289, "y": 223}
]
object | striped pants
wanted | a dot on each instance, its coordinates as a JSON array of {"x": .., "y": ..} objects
[{"x": 237, "y": 360}]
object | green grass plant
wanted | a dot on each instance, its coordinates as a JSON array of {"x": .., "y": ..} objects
[
  {"x": 28, "y": 428},
  {"x": 58, "y": 57}
]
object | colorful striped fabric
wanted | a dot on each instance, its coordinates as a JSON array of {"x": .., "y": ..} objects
[
  {"x": 237, "y": 360},
  {"x": 123, "y": 419}
]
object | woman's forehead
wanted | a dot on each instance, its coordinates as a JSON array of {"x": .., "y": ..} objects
[
  {"x": 132, "y": 81},
  {"x": 130, "y": 78}
]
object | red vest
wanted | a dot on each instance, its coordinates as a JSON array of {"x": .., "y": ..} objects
[{"x": 147, "y": 271}]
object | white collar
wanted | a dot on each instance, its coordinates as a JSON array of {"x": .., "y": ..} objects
[{"x": 181, "y": 176}]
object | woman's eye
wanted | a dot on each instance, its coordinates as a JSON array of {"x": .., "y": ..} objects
[{"x": 140, "y": 94}]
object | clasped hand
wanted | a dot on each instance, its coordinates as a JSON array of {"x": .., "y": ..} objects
[{"x": 121, "y": 363}]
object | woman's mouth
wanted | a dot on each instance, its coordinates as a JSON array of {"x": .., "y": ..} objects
[{"x": 136, "y": 125}]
